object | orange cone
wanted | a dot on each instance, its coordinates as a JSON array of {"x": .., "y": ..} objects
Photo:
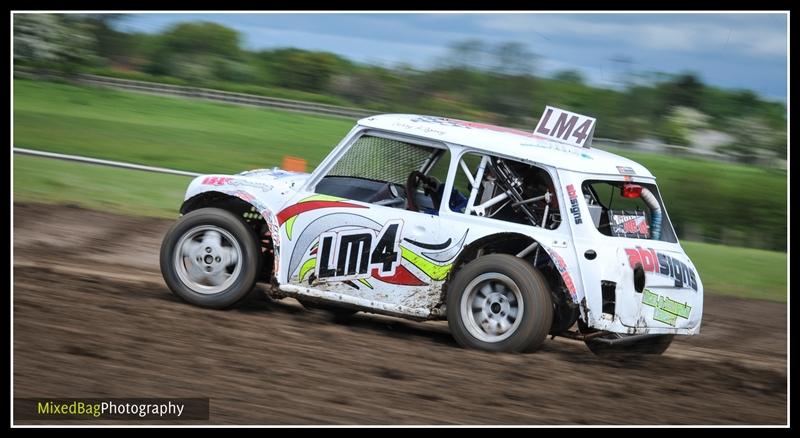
[{"x": 294, "y": 164}]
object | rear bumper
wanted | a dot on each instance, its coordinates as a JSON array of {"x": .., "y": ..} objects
[{"x": 665, "y": 306}]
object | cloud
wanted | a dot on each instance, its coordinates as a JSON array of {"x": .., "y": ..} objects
[
  {"x": 742, "y": 50},
  {"x": 675, "y": 32},
  {"x": 359, "y": 48}
]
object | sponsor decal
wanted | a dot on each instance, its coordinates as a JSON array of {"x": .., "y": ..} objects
[
  {"x": 352, "y": 254},
  {"x": 573, "y": 204},
  {"x": 235, "y": 182},
  {"x": 665, "y": 309},
  {"x": 423, "y": 129},
  {"x": 274, "y": 230},
  {"x": 629, "y": 225},
  {"x": 561, "y": 265},
  {"x": 275, "y": 233},
  {"x": 624, "y": 170},
  {"x": 559, "y": 147},
  {"x": 244, "y": 196},
  {"x": 469, "y": 125},
  {"x": 565, "y": 126},
  {"x": 343, "y": 253},
  {"x": 247, "y": 197},
  {"x": 216, "y": 180},
  {"x": 401, "y": 276},
  {"x": 308, "y": 237},
  {"x": 662, "y": 264}
]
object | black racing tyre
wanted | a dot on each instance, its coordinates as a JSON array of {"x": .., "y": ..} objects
[
  {"x": 210, "y": 258},
  {"x": 499, "y": 302},
  {"x": 651, "y": 345}
]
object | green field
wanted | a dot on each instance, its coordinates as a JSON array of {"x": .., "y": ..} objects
[
  {"x": 735, "y": 204},
  {"x": 98, "y": 187},
  {"x": 742, "y": 272},
  {"x": 208, "y": 137},
  {"x": 167, "y": 132}
]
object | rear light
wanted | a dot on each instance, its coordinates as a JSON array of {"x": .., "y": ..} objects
[{"x": 631, "y": 191}]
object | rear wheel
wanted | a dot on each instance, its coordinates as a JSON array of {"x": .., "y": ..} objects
[
  {"x": 499, "y": 302},
  {"x": 210, "y": 258}
]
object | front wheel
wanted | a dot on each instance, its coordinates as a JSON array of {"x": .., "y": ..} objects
[
  {"x": 210, "y": 258},
  {"x": 499, "y": 302}
]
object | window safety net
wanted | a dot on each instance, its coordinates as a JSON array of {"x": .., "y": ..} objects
[{"x": 381, "y": 159}]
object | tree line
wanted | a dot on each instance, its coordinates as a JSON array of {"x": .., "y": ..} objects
[{"x": 497, "y": 83}]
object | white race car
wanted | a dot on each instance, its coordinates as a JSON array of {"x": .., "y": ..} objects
[{"x": 508, "y": 235}]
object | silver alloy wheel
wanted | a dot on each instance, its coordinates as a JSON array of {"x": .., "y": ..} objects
[
  {"x": 208, "y": 259},
  {"x": 491, "y": 307}
]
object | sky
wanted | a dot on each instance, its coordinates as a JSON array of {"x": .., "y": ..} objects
[{"x": 733, "y": 51}]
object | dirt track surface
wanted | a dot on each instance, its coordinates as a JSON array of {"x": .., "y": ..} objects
[{"x": 93, "y": 318}]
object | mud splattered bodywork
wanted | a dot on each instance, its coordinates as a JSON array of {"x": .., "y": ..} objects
[{"x": 389, "y": 255}]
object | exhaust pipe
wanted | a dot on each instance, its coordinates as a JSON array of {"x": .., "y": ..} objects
[
  {"x": 626, "y": 340},
  {"x": 655, "y": 212}
]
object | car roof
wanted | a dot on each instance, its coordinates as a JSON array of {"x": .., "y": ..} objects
[{"x": 507, "y": 141}]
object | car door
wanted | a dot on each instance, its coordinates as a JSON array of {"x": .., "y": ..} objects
[{"x": 349, "y": 232}]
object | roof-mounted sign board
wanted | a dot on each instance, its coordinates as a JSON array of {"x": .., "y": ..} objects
[{"x": 566, "y": 127}]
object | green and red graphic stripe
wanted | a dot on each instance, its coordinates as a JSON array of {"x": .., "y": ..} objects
[{"x": 314, "y": 202}]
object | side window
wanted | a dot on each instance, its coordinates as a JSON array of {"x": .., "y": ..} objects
[
  {"x": 507, "y": 190},
  {"x": 630, "y": 210},
  {"x": 390, "y": 173}
]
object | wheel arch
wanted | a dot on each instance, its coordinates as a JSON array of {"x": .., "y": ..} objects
[
  {"x": 213, "y": 198},
  {"x": 511, "y": 243},
  {"x": 248, "y": 212}
]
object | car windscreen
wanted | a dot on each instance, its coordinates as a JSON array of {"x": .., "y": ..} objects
[{"x": 382, "y": 159}]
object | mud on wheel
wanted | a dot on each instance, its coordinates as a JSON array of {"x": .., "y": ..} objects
[
  {"x": 499, "y": 302},
  {"x": 210, "y": 258}
]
